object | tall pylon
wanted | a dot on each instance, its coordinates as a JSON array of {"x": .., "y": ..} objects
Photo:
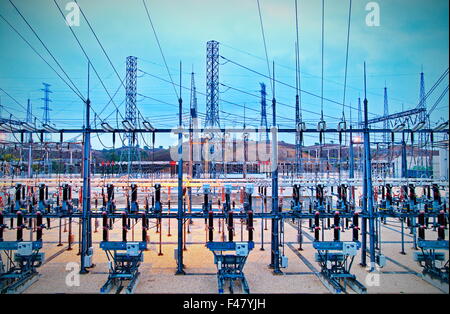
[
  {"x": 212, "y": 85},
  {"x": 130, "y": 138},
  {"x": 46, "y": 108},
  {"x": 422, "y": 117},
  {"x": 264, "y": 136},
  {"x": 212, "y": 99}
]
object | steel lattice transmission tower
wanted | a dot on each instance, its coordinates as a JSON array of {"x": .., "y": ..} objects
[
  {"x": 46, "y": 108},
  {"x": 212, "y": 84},
  {"x": 264, "y": 124},
  {"x": 264, "y": 136},
  {"x": 131, "y": 116},
  {"x": 423, "y": 114},
  {"x": 131, "y": 89},
  {"x": 386, "y": 113},
  {"x": 212, "y": 96}
]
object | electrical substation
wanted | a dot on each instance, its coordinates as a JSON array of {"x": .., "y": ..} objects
[{"x": 274, "y": 196}]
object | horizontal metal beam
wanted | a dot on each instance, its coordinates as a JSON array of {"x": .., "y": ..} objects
[
  {"x": 9, "y": 121},
  {"x": 397, "y": 115},
  {"x": 281, "y": 130}
]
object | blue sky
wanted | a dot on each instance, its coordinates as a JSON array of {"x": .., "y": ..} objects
[{"x": 412, "y": 34}]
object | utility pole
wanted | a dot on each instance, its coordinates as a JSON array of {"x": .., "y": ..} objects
[{"x": 423, "y": 118}]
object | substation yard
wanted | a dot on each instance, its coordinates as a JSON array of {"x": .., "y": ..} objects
[
  {"x": 241, "y": 182},
  {"x": 400, "y": 274}
]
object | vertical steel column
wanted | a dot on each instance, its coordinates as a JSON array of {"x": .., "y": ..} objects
[
  {"x": 351, "y": 170},
  {"x": 86, "y": 190},
  {"x": 351, "y": 173},
  {"x": 180, "y": 270},
  {"x": 275, "y": 258},
  {"x": 368, "y": 180},
  {"x": 30, "y": 140},
  {"x": 404, "y": 161}
]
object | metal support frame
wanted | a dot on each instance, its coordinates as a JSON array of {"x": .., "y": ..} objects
[
  {"x": 429, "y": 257},
  {"x": 230, "y": 266},
  {"x": 335, "y": 259},
  {"x": 25, "y": 261},
  {"x": 123, "y": 266}
]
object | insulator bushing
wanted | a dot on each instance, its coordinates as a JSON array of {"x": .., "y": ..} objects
[
  {"x": 134, "y": 191},
  {"x": 230, "y": 226},
  {"x": 355, "y": 226},
  {"x": 18, "y": 192},
  {"x": 210, "y": 226},
  {"x": 41, "y": 192},
  {"x": 436, "y": 193},
  {"x": 336, "y": 218},
  {"x": 389, "y": 192},
  {"x": 158, "y": 195},
  {"x": 441, "y": 233},
  {"x": 421, "y": 218},
  {"x": 2, "y": 226},
  {"x": 316, "y": 233},
  {"x": 317, "y": 219},
  {"x": 250, "y": 225},
  {"x": 19, "y": 226},
  {"x": 144, "y": 227},
  {"x": 336, "y": 222},
  {"x": 296, "y": 193},
  {"x": 110, "y": 192},
  {"x": 105, "y": 226},
  {"x": 124, "y": 227},
  {"x": 65, "y": 192},
  {"x": 39, "y": 226}
]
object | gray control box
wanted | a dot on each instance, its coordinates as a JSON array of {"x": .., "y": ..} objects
[{"x": 241, "y": 248}]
